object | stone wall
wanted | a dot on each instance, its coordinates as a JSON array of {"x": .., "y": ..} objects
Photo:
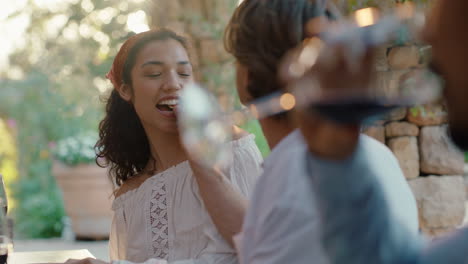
[{"x": 433, "y": 166}]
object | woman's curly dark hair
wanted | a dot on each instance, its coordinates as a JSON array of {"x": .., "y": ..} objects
[{"x": 123, "y": 144}]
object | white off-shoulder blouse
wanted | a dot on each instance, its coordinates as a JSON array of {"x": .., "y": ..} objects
[{"x": 165, "y": 218}]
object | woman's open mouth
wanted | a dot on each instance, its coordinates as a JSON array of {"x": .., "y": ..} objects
[{"x": 168, "y": 107}]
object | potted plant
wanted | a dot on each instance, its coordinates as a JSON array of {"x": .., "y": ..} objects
[{"x": 87, "y": 190}]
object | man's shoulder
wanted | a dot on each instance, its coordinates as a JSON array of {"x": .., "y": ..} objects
[
  {"x": 378, "y": 154},
  {"x": 284, "y": 160},
  {"x": 284, "y": 181},
  {"x": 131, "y": 184},
  {"x": 371, "y": 144},
  {"x": 281, "y": 203},
  {"x": 287, "y": 149}
]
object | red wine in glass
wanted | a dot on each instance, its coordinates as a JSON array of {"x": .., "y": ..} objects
[
  {"x": 3, "y": 258},
  {"x": 353, "y": 110}
]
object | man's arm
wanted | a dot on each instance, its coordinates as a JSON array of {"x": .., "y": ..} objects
[
  {"x": 358, "y": 227},
  {"x": 453, "y": 249},
  {"x": 356, "y": 222}
]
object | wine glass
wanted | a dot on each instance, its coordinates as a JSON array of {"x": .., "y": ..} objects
[
  {"x": 355, "y": 38},
  {"x": 205, "y": 129}
]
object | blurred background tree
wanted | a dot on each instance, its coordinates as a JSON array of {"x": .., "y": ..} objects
[{"x": 51, "y": 88}]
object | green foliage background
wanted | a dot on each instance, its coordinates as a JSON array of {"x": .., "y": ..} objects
[{"x": 58, "y": 95}]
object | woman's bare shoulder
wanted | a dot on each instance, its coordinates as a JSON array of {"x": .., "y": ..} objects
[
  {"x": 131, "y": 184},
  {"x": 238, "y": 133}
]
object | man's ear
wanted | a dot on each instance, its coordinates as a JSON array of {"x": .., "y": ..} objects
[{"x": 125, "y": 92}]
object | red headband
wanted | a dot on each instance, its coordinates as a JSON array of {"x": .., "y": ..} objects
[{"x": 115, "y": 75}]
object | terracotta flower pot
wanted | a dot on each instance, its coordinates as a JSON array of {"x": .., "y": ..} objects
[{"x": 87, "y": 195}]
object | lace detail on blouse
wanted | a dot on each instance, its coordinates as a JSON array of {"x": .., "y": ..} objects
[{"x": 158, "y": 219}]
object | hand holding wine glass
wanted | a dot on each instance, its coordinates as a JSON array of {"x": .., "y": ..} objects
[{"x": 333, "y": 78}]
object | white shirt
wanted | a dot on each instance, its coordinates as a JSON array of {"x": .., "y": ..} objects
[
  {"x": 282, "y": 223},
  {"x": 165, "y": 218}
]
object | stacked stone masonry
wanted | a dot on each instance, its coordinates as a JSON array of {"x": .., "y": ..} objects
[{"x": 418, "y": 136}]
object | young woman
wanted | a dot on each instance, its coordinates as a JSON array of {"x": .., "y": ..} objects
[{"x": 167, "y": 206}]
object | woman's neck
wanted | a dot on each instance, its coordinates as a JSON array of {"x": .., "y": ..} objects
[{"x": 166, "y": 149}]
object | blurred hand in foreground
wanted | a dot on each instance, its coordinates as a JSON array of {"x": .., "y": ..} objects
[{"x": 326, "y": 71}]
